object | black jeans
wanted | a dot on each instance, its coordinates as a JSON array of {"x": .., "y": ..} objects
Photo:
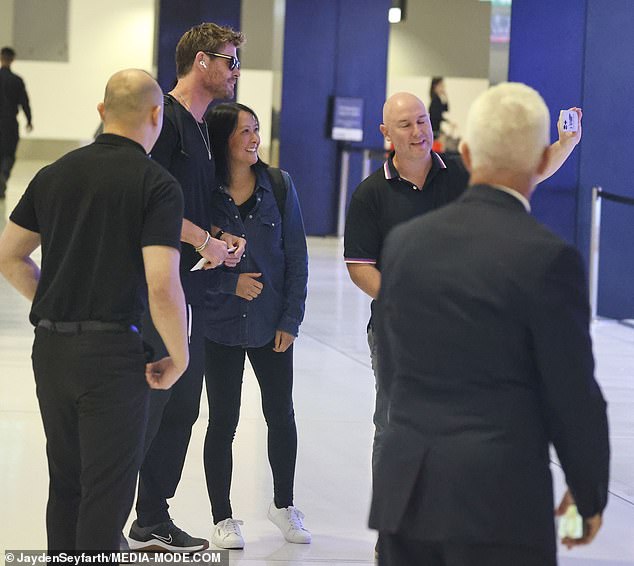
[
  {"x": 172, "y": 416},
  {"x": 9, "y": 137},
  {"x": 94, "y": 399},
  {"x": 274, "y": 372}
]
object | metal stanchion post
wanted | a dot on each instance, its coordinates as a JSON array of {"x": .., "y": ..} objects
[
  {"x": 595, "y": 230},
  {"x": 367, "y": 164},
  {"x": 343, "y": 191}
]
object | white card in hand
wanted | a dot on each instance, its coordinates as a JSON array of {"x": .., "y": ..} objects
[
  {"x": 569, "y": 120},
  {"x": 199, "y": 264}
]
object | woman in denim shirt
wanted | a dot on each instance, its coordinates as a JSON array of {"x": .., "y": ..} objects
[{"x": 254, "y": 309}]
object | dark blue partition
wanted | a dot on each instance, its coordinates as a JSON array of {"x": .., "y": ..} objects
[
  {"x": 176, "y": 17},
  {"x": 546, "y": 52},
  {"x": 580, "y": 52},
  {"x": 336, "y": 47},
  {"x": 607, "y": 156}
]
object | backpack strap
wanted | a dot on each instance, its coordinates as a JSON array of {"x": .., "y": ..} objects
[
  {"x": 279, "y": 184},
  {"x": 168, "y": 104}
]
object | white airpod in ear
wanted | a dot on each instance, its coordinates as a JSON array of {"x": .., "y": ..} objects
[{"x": 203, "y": 64}]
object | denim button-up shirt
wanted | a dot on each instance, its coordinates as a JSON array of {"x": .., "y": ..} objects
[{"x": 276, "y": 248}]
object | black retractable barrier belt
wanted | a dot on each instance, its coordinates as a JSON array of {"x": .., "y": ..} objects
[{"x": 616, "y": 198}]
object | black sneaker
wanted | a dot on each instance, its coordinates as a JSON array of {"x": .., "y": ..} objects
[{"x": 164, "y": 537}]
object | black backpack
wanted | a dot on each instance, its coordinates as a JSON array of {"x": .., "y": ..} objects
[{"x": 279, "y": 184}]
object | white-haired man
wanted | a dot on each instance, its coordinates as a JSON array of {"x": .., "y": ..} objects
[{"x": 486, "y": 354}]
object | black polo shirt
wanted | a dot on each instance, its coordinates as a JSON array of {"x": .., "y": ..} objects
[
  {"x": 182, "y": 150},
  {"x": 95, "y": 208},
  {"x": 385, "y": 199}
]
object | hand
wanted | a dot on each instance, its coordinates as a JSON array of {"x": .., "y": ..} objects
[
  {"x": 573, "y": 138},
  {"x": 215, "y": 253},
  {"x": 29, "y": 128},
  {"x": 162, "y": 374},
  {"x": 248, "y": 286},
  {"x": 283, "y": 341},
  {"x": 591, "y": 525},
  {"x": 234, "y": 242}
]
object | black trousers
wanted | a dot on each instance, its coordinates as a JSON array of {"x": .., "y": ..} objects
[
  {"x": 274, "y": 372},
  {"x": 172, "y": 416},
  {"x": 94, "y": 399},
  {"x": 396, "y": 550},
  {"x": 9, "y": 137}
]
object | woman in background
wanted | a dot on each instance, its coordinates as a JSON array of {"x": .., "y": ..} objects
[
  {"x": 438, "y": 105},
  {"x": 254, "y": 309}
]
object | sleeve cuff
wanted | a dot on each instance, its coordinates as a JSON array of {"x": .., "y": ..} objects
[
  {"x": 229, "y": 283},
  {"x": 359, "y": 260}
]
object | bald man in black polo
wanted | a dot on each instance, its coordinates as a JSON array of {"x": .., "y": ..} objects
[{"x": 108, "y": 219}]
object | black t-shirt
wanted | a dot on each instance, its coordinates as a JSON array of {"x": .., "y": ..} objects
[
  {"x": 95, "y": 208},
  {"x": 384, "y": 200},
  {"x": 182, "y": 151}
]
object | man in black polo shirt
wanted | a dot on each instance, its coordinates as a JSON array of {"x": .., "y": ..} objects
[
  {"x": 12, "y": 97},
  {"x": 108, "y": 219},
  {"x": 413, "y": 181}
]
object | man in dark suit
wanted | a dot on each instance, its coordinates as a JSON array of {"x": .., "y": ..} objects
[{"x": 485, "y": 349}]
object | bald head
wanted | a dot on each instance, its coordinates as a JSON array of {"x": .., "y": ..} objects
[
  {"x": 401, "y": 102},
  {"x": 133, "y": 107},
  {"x": 129, "y": 96}
]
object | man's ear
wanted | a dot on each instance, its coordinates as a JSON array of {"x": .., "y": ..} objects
[
  {"x": 542, "y": 166},
  {"x": 156, "y": 115},
  {"x": 384, "y": 131},
  {"x": 101, "y": 109},
  {"x": 465, "y": 153}
]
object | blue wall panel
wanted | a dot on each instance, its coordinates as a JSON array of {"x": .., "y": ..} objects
[
  {"x": 607, "y": 157},
  {"x": 546, "y": 52},
  {"x": 338, "y": 47},
  {"x": 310, "y": 50},
  {"x": 580, "y": 52}
]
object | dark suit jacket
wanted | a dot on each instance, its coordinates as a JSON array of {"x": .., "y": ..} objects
[{"x": 483, "y": 337}]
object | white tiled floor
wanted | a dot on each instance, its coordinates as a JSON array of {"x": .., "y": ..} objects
[{"x": 333, "y": 397}]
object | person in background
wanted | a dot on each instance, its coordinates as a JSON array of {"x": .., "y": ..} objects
[
  {"x": 108, "y": 220},
  {"x": 486, "y": 357},
  {"x": 12, "y": 97},
  {"x": 253, "y": 310},
  {"x": 438, "y": 104}
]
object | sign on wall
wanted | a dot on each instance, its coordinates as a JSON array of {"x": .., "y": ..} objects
[{"x": 347, "y": 119}]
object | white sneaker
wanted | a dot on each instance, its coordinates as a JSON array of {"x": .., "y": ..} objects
[
  {"x": 226, "y": 534},
  {"x": 289, "y": 521}
]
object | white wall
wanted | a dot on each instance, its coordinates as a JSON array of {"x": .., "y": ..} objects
[
  {"x": 448, "y": 39},
  {"x": 103, "y": 38},
  {"x": 255, "y": 90}
]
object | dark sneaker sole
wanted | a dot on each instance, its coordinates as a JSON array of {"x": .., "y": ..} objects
[{"x": 155, "y": 545}]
